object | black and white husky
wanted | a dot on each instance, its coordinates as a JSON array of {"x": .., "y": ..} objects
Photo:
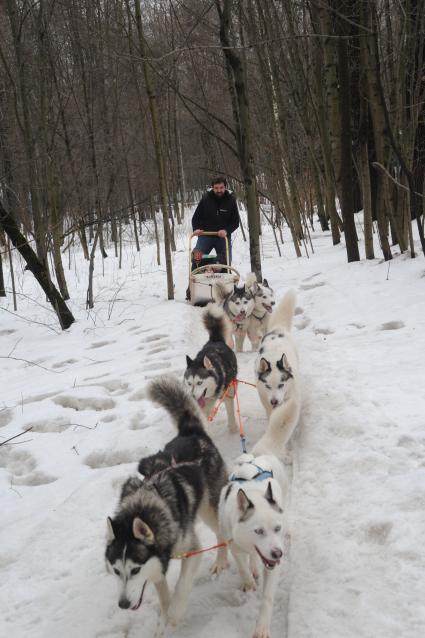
[
  {"x": 156, "y": 517},
  {"x": 278, "y": 381},
  {"x": 238, "y": 306},
  {"x": 251, "y": 514},
  {"x": 264, "y": 301},
  {"x": 208, "y": 375}
]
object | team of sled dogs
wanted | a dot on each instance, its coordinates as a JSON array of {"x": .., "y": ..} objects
[{"x": 188, "y": 480}]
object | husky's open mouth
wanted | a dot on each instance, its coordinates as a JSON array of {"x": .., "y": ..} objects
[
  {"x": 268, "y": 563},
  {"x": 201, "y": 400},
  {"x": 141, "y": 598},
  {"x": 268, "y": 308},
  {"x": 240, "y": 317}
]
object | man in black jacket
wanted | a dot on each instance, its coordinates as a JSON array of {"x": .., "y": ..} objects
[{"x": 217, "y": 211}]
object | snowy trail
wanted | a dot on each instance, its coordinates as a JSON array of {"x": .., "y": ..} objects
[{"x": 356, "y": 519}]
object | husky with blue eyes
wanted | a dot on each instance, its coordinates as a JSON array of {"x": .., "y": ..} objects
[
  {"x": 278, "y": 382},
  {"x": 251, "y": 513}
]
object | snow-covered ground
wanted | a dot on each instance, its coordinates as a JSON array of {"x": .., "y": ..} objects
[{"x": 355, "y": 565}]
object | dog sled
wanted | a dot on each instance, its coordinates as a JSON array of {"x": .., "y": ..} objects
[{"x": 207, "y": 272}]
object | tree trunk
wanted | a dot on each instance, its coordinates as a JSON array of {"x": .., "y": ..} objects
[
  {"x": 239, "y": 88},
  {"x": 346, "y": 162},
  {"x": 37, "y": 268},
  {"x": 158, "y": 151}
]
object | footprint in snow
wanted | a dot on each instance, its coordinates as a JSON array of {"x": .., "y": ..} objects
[
  {"x": 378, "y": 532},
  {"x": 22, "y": 468},
  {"x": 114, "y": 386},
  {"x": 6, "y": 415},
  {"x": 109, "y": 458},
  {"x": 316, "y": 274},
  {"x": 298, "y": 311},
  {"x": 6, "y": 332},
  {"x": 323, "y": 331},
  {"x": 156, "y": 337},
  {"x": 61, "y": 364},
  {"x": 84, "y": 403},
  {"x": 100, "y": 344},
  {"x": 303, "y": 323},
  {"x": 392, "y": 325},
  {"x": 156, "y": 350},
  {"x": 312, "y": 286},
  {"x": 49, "y": 425},
  {"x": 157, "y": 366}
]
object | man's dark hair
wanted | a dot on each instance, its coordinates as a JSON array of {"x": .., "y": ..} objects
[{"x": 219, "y": 180}]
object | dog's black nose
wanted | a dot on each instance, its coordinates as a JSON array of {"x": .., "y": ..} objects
[
  {"x": 277, "y": 553},
  {"x": 274, "y": 402},
  {"x": 273, "y": 303},
  {"x": 124, "y": 603}
]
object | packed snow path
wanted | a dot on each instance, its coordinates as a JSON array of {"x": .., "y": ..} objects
[{"x": 356, "y": 518}]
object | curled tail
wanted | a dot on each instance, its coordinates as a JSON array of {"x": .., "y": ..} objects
[
  {"x": 217, "y": 323},
  {"x": 219, "y": 292},
  {"x": 284, "y": 313},
  {"x": 251, "y": 280},
  {"x": 171, "y": 394},
  {"x": 282, "y": 422}
]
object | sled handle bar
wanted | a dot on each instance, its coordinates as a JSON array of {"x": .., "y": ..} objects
[
  {"x": 210, "y": 233},
  {"x": 200, "y": 269}
]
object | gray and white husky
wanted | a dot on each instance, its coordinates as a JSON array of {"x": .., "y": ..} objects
[
  {"x": 251, "y": 514},
  {"x": 238, "y": 306},
  {"x": 264, "y": 302},
  {"x": 156, "y": 517},
  {"x": 278, "y": 381},
  {"x": 208, "y": 375}
]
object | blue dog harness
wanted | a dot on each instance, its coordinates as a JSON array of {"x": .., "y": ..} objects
[{"x": 261, "y": 475}]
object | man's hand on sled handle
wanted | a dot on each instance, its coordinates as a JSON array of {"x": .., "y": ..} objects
[
  {"x": 197, "y": 232},
  {"x": 222, "y": 233}
]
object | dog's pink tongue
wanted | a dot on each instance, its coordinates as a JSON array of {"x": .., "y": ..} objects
[{"x": 201, "y": 402}]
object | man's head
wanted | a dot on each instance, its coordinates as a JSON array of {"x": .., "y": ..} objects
[{"x": 219, "y": 185}]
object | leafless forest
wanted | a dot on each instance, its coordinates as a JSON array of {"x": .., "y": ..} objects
[{"x": 117, "y": 113}]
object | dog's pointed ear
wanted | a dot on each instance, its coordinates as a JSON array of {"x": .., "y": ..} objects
[
  {"x": 110, "y": 534},
  {"x": 266, "y": 283},
  {"x": 283, "y": 365},
  {"x": 143, "y": 532},
  {"x": 269, "y": 494},
  {"x": 189, "y": 361},
  {"x": 207, "y": 363},
  {"x": 264, "y": 366},
  {"x": 254, "y": 288},
  {"x": 244, "y": 504}
]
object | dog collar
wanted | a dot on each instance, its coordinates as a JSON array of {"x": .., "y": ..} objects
[
  {"x": 261, "y": 475},
  {"x": 262, "y": 316}
]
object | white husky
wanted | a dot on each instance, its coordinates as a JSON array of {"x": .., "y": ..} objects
[
  {"x": 251, "y": 514},
  {"x": 278, "y": 381},
  {"x": 258, "y": 321}
]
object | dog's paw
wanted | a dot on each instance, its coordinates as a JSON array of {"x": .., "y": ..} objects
[
  {"x": 219, "y": 566},
  {"x": 175, "y": 612},
  {"x": 160, "y": 627},
  {"x": 262, "y": 632},
  {"x": 249, "y": 585}
]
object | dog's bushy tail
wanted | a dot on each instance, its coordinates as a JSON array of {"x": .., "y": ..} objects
[
  {"x": 251, "y": 279},
  {"x": 171, "y": 394},
  {"x": 219, "y": 292},
  {"x": 217, "y": 324},
  {"x": 284, "y": 313}
]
